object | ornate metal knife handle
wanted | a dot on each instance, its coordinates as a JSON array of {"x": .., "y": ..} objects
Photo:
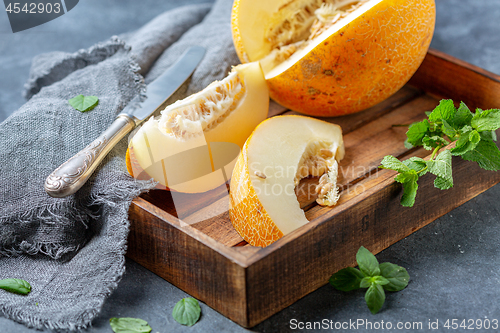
[{"x": 72, "y": 174}]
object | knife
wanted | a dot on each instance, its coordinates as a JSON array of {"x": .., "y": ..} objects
[{"x": 72, "y": 174}]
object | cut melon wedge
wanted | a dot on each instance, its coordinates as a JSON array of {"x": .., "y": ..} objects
[
  {"x": 193, "y": 145},
  {"x": 333, "y": 57},
  {"x": 279, "y": 153}
]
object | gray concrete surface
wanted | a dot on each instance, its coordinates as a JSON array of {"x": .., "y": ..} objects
[{"x": 454, "y": 262}]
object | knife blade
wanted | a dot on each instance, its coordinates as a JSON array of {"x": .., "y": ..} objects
[
  {"x": 165, "y": 85},
  {"x": 72, "y": 174}
]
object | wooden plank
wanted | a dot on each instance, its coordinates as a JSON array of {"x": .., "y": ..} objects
[
  {"x": 448, "y": 77},
  {"x": 185, "y": 203}
]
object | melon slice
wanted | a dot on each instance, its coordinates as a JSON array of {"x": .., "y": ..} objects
[
  {"x": 279, "y": 153},
  {"x": 193, "y": 145},
  {"x": 333, "y": 57}
]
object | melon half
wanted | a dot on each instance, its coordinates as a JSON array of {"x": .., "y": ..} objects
[
  {"x": 280, "y": 152},
  {"x": 333, "y": 57},
  {"x": 193, "y": 146}
]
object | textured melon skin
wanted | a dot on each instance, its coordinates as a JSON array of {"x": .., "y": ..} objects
[
  {"x": 248, "y": 216},
  {"x": 357, "y": 67}
]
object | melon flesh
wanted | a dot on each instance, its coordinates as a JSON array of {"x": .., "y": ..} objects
[
  {"x": 288, "y": 30},
  {"x": 281, "y": 151},
  {"x": 188, "y": 148}
]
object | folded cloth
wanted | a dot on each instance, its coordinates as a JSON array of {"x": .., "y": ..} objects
[{"x": 71, "y": 250}]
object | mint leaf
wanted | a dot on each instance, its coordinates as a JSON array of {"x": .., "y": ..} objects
[
  {"x": 474, "y": 137},
  {"x": 418, "y": 164},
  {"x": 187, "y": 311},
  {"x": 416, "y": 132},
  {"x": 347, "y": 279},
  {"x": 407, "y": 144},
  {"x": 16, "y": 286},
  {"x": 445, "y": 110},
  {"x": 466, "y": 142},
  {"x": 442, "y": 183},
  {"x": 397, "y": 276},
  {"x": 449, "y": 130},
  {"x": 431, "y": 142},
  {"x": 441, "y": 166},
  {"x": 462, "y": 117},
  {"x": 410, "y": 188},
  {"x": 84, "y": 103},
  {"x": 488, "y": 120},
  {"x": 488, "y": 135},
  {"x": 406, "y": 176},
  {"x": 392, "y": 163},
  {"x": 380, "y": 280},
  {"x": 367, "y": 262},
  {"x": 486, "y": 154},
  {"x": 367, "y": 281},
  {"x": 375, "y": 298},
  {"x": 129, "y": 325},
  {"x": 386, "y": 276}
]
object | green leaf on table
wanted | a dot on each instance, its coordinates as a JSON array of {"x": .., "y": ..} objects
[
  {"x": 346, "y": 279},
  {"x": 84, "y": 103},
  {"x": 488, "y": 135},
  {"x": 367, "y": 262},
  {"x": 367, "y": 281},
  {"x": 449, "y": 130},
  {"x": 410, "y": 187},
  {"x": 474, "y": 137},
  {"x": 392, "y": 163},
  {"x": 375, "y": 298},
  {"x": 16, "y": 286},
  {"x": 418, "y": 164},
  {"x": 416, "y": 132},
  {"x": 462, "y": 117},
  {"x": 445, "y": 110},
  {"x": 431, "y": 142},
  {"x": 442, "y": 183},
  {"x": 397, "y": 276},
  {"x": 488, "y": 120},
  {"x": 187, "y": 311},
  {"x": 441, "y": 165},
  {"x": 129, "y": 325},
  {"x": 466, "y": 142},
  {"x": 486, "y": 154},
  {"x": 380, "y": 280},
  {"x": 386, "y": 276}
]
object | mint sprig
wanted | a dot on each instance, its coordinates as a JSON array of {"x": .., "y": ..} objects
[
  {"x": 474, "y": 134},
  {"x": 372, "y": 275}
]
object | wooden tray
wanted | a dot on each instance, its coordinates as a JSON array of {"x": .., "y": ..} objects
[{"x": 210, "y": 261}]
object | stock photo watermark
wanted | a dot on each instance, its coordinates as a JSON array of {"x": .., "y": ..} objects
[
  {"x": 25, "y": 15},
  {"x": 383, "y": 326}
]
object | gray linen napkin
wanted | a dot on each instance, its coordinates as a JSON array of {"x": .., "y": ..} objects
[{"x": 72, "y": 250}]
